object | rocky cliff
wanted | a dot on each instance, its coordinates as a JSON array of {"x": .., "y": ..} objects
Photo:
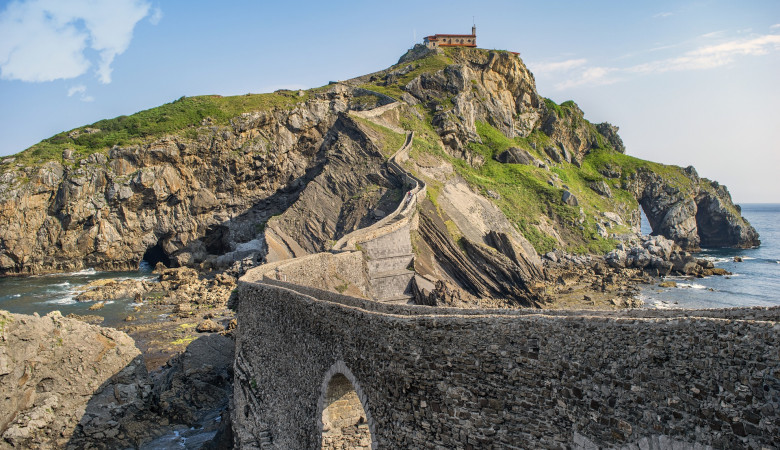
[{"x": 209, "y": 182}]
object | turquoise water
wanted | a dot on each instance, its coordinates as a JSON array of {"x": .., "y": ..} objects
[
  {"x": 46, "y": 293},
  {"x": 755, "y": 282}
]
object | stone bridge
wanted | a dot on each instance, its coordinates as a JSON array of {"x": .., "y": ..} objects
[{"x": 317, "y": 369}]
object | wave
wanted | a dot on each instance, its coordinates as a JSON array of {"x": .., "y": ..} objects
[
  {"x": 69, "y": 300},
  {"x": 691, "y": 286},
  {"x": 717, "y": 259},
  {"x": 79, "y": 273}
]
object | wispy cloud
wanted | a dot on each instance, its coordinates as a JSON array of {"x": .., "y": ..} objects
[
  {"x": 712, "y": 34},
  {"x": 156, "y": 16},
  {"x": 80, "y": 91},
  {"x": 45, "y": 40},
  {"x": 662, "y": 14},
  {"x": 775, "y": 26},
  {"x": 559, "y": 66},
  {"x": 702, "y": 58},
  {"x": 592, "y": 76}
]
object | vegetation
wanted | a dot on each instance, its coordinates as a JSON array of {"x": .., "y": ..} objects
[
  {"x": 393, "y": 86},
  {"x": 390, "y": 141},
  {"x": 182, "y": 116}
]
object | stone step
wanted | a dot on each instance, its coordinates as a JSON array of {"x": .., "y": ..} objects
[
  {"x": 391, "y": 284},
  {"x": 377, "y": 266},
  {"x": 400, "y": 300}
]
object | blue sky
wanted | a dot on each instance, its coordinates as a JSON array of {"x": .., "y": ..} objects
[{"x": 687, "y": 82}]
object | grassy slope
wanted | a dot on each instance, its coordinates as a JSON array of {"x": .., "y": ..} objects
[
  {"x": 430, "y": 64},
  {"x": 180, "y": 117}
]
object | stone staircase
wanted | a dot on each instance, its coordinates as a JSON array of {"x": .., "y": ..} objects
[
  {"x": 387, "y": 259},
  {"x": 387, "y": 245},
  {"x": 384, "y": 247}
]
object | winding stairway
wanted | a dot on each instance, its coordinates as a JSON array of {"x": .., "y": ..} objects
[{"x": 385, "y": 246}]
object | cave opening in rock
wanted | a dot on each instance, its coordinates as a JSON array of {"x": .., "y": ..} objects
[
  {"x": 154, "y": 255},
  {"x": 344, "y": 420},
  {"x": 644, "y": 222},
  {"x": 216, "y": 240}
]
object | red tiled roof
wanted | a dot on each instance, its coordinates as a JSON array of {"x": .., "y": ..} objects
[{"x": 436, "y": 36}]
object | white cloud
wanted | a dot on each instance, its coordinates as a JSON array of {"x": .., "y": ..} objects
[
  {"x": 775, "y": 26},
  {"x": 702, "y": 58},
  {"x": 662, "y": 14},
  {"x": 80, "y": 89},
  {"x": 560, "y": 66},
  {"x": 592, "y": 76},
  {"x": 45, "y": 40}
]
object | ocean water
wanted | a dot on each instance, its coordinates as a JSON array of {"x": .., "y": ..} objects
[
  {"x": 57, "y": 292},
  {"x": 755, "y": 281}
]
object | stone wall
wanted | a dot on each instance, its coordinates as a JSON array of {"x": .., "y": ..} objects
[
  {"x": 448, "y": 378},
  {"x": 344, "y": 272}
]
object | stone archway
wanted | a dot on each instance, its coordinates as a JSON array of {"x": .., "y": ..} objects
[{"x": 344, "y": 421}]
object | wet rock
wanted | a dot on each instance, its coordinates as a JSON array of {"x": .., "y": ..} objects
[
  {"x": 668, "y": 284},
  {"x": 111, "y": 289},
  {"x": 197, "y": 382}
]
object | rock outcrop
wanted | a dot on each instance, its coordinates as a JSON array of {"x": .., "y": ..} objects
[
  {"x": 692, "y": 211},
  {"x": 61, "y": 376}
]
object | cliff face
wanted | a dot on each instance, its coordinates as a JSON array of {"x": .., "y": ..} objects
[
  {"x": 193, "y": 196},
  {"x": 287, "y": 178}
]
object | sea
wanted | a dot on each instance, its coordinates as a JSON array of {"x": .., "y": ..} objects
[
  {"x": 754, "y": 282},
  {"x": 43, "y": 294}
]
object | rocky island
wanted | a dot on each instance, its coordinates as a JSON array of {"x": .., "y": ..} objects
[{"x": 444, "y": 185}]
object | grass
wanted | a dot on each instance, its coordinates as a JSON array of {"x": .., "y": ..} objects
[
  {"x": 524, "y": 192},
  {"x": 389, "y": 140},
  {"x": 181, "y": 117},
  {"x": 430, "y": 64}
]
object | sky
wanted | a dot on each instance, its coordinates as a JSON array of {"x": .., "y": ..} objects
[{"x": 691, "y": 82}]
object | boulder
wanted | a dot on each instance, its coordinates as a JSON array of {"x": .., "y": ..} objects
[
  {"x": 601, "y": 188},
  {"x": 209, "y": 326},
  {"x": 198, "y": 381},
  {"x": 516, "y": 155},
  {"x": 68, "y": 383},
  {"x": 569, "y": 199}
]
